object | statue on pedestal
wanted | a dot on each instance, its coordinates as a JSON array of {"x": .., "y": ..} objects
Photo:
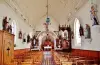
[
  {"x": 4, "y": 23},
  {"x": 88, "y": 32},
  {"x": 94, "y": 16}
]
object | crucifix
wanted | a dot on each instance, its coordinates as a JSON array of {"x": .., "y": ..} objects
[{"x": 8, "y": 49}]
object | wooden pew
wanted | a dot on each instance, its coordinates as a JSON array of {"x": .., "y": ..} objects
[
  {"x": 69, "y": 59},
  {"x": 27, "y": 57}
]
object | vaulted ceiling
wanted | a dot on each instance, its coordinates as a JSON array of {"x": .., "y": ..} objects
[{"x": 33, "y": 10}]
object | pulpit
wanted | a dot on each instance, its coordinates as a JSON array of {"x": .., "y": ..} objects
[{"x": 6, "y": 48}]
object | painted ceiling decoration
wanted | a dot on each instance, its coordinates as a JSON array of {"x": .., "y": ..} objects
[{"x": 33, "y": 10}]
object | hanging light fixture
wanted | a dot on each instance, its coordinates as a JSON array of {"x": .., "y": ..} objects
[{"x": 47, "y": 19}]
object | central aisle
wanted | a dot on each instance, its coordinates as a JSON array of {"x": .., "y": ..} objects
[{"x": 48, "y": 58}]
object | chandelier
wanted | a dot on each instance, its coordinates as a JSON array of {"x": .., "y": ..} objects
[{"x": 47, "y": 19}]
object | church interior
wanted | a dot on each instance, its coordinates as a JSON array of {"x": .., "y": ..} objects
[{"x": 49, "y": 32}]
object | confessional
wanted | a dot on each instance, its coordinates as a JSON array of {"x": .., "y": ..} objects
[{"x": 6, "y": 48}]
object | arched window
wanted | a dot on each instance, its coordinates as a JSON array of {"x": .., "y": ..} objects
[
  {"x": 14, "y": 29},
  {"x": 77, "y": 37}
]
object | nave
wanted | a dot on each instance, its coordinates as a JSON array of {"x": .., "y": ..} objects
[
  {"x": 27, "y": 57},
  {"x": 49, "y": 32}
]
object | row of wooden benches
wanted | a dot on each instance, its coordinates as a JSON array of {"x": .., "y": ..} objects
[
  {"x": 28, "y": 58},
  {"x": 68, "y": 59}
]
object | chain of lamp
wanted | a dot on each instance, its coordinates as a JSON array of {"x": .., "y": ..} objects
[{"x": 47, "y": 20}]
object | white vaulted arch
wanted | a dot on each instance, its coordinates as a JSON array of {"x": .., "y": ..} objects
[{"x": 43, "y": 34}]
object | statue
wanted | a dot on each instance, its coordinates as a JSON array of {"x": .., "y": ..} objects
[
  {"x": 24, "y": 39},
  {"x": 9, "y": 28},
  {"x": 20, "y": 34},
  {"x": 28, "y": 38},
  {"x": 4, "y": 23},
  {"x": 81, "y": 30},
  {"x": 66, "y": 34},
  {"x": 88, "y": 32},
  {"x": 57, "y": 42},
  {"x": 65, "y": 45},
  {"x": 94, "y": 16}
]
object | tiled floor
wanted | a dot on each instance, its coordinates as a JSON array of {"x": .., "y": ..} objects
[{"x": 47, "y": 58}]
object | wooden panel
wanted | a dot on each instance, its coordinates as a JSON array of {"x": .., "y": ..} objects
[
  {"x": 8, "y": 48},
  {"x": 7, "y": 57},
  {"x": 1, "y": 47}
]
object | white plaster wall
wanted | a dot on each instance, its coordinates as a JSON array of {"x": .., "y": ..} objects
[
  {"x": 84, "y": 16},
  {"x": 5, "y": 10}
]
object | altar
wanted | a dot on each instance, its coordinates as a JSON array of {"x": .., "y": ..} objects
[{"x": 47, "y": 48}]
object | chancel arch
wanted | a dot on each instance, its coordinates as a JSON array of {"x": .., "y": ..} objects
[{"x": 47, "y": 36}]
